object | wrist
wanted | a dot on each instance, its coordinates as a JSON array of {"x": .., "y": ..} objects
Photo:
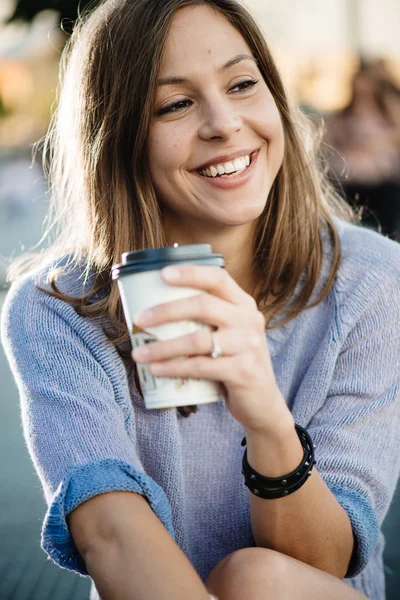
[
  {"x": 274, "y": 454},
  {"x": 279, "y": 427}
]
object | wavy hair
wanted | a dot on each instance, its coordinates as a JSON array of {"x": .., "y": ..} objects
[{"x": 103, "y": 202}]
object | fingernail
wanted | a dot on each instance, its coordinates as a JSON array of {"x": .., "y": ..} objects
[
  {"x": 143, "y": 318},
  {"x": 170, "y": 273}
]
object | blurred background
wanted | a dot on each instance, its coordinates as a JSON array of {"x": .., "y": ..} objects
[{"x": 341, "y": 62}]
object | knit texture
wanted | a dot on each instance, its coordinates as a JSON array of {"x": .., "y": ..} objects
[{"x": 88, "y": 432}]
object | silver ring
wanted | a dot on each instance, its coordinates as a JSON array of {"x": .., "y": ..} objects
[{"x": 216, "y": 351}]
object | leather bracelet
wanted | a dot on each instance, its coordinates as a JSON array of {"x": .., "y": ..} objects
[{"x": 278, "y": 487}]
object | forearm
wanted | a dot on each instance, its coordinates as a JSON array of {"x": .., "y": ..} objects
[
  {"x": 128, "y": 552},
  {"x": 309, "y": 524},
  {"x": 132, "y": 570}
]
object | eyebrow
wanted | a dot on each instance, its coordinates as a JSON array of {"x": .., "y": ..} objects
[{"x": 233, "y": 61}]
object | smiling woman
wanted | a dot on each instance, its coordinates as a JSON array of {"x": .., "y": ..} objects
[
  {"x": 217, "y": 128},
  {"x": 173, "y": 127}
]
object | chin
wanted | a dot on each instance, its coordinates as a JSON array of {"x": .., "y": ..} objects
[{"x": 242, "y": 216}]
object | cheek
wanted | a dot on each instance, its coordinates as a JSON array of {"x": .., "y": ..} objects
[
  {"x": 280, "y": 140},
  {"x": 268, "y": 114},
  {"x": 165, "y": 158},
  {"x": 167, "y": 150},
  {"x": 157, "y": 157},
  {"x": 272, "y": 121},
  {"x": 274, "y": 133}
]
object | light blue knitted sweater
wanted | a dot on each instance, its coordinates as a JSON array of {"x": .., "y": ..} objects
[{"x": 87, "y": 430}]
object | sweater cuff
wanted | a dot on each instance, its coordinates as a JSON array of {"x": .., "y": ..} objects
[
  {"x": 364, "y": 523},
  {"x": 83, "y": 482}
]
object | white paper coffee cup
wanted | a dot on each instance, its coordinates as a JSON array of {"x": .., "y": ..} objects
[{"x": 141, "y": 286}]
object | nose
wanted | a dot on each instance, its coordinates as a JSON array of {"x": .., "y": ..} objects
[{"x": 220, "y": 119}]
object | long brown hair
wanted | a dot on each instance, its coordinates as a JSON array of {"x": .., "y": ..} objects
[{"x": 103, "y": 200}]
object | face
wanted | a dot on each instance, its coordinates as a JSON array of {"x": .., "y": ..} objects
[{"x": 216, "y": 138}]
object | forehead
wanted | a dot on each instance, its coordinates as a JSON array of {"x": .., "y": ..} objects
[{"x": 200, "y": 37}]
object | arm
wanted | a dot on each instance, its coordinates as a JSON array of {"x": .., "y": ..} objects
[
  {"x": 128, "y": 552},
  {"x": 77, "y": 414},
  {"x": 310, "y": 524},
  {"x": 357, "y": 437}
]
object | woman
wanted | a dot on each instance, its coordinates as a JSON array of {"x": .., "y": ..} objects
[{"x": 158, "y": 101}]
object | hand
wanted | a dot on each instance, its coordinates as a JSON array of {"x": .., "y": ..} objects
[{"x": 244, "y": 369}]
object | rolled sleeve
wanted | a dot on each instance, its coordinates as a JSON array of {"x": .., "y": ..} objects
[
  {"x": 364, "y": 523},
  {"x": 84, "y": 482}
]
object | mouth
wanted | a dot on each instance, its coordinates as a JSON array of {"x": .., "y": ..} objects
[
  {"x": 228, "y": 169},
  {"x": 243, "y": 173}
]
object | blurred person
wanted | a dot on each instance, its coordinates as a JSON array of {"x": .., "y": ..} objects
[
  {"x": 173, "y": 127},
  {"x": 367, "y": 135}
]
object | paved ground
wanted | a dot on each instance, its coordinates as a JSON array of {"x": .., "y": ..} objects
[{"x": 25, "y": 572}]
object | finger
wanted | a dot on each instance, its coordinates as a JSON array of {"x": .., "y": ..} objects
[
  {"x": 205, "y": 308},
  {"x": 199, "y": 343},
  {"x": 242, "y": 370},
  {"x": 213, "y": 280},
  {"x": 198, "y": 367}
]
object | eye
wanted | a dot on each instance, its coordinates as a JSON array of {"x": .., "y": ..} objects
[
  {"x": 174, "y": 107},
  {"x": 243, "y": 86}
]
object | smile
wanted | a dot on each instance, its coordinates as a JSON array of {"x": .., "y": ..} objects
[
  {"x": 227, "y": 169},
  {"x": 237, "y": 172}
]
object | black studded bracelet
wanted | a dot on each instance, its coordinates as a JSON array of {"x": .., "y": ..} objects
[{"x": 278, "y": 487}]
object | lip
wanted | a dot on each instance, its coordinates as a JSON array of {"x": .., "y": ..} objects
[
  {"x": 231, "y": 183},
  {"x": 224, "y": 158}
]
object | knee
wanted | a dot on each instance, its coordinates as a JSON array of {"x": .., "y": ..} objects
[
  {"x": 251, "y": 559},
  {"x": 247, "y": 568}
]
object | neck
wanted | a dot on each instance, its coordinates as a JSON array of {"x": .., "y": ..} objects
[{"x": 234, "y": 243}]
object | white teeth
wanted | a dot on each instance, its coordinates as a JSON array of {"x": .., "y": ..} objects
[
  {"x": 239, "y": 164},
  {"x": 214, "y": 171},
  {"x": 234, "y": 166},
  {"x": 229, "y": 168}
]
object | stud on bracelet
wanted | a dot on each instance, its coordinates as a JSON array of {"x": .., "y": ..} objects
[{"x": 277, "y": 487}]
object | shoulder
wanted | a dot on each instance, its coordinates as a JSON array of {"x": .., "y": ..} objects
[
  {"x": 367, "y": 259},
  {"x": 35, "y": 323},
  {"x": 369, "y": 272},
  {"x": 27, "y": 307},
  {"x": 362, "y": 247}
]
